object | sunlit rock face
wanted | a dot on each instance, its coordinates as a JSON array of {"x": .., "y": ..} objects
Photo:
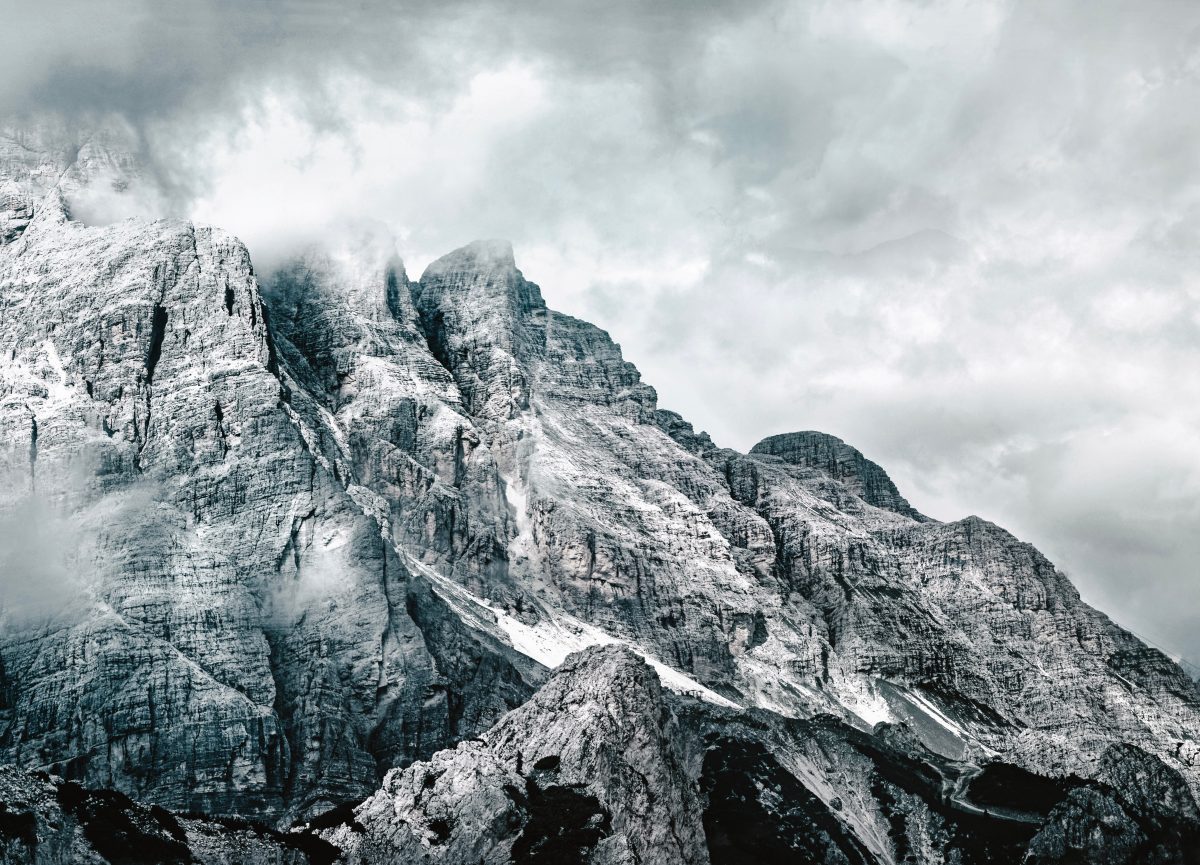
[
  {"x": 604, "y": 765},
  {"x": 267, "y": 539},
  {"x": 590, "y": 768},
  {"x": 835, "y": 459}
]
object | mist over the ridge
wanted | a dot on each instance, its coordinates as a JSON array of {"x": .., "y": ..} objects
[{"x": 963, "y": 236}]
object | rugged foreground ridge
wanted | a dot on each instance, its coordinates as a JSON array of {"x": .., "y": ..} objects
[
  {"x": 603, "y": 766},
  {"x": 267, "y": 544}
]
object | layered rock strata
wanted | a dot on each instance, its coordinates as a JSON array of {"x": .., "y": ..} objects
[{"x": 267, "y": 540}]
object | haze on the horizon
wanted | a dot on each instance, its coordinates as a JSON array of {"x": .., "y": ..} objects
[{"x": 963, "y": 236}]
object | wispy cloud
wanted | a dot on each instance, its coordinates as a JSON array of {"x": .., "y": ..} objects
[{"x": 37, "y": 578}]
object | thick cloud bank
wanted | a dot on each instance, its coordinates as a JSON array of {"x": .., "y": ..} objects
[{"x": 964, "y": 236}]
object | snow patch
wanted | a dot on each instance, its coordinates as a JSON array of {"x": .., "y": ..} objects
[
  {"x": 60, "y": 390},
  {"x": 551, "y": 640},
  {"x": 865, "y": 703},
  {"x": 30, "y": 375},
  {"x": 935, "y": 714}
]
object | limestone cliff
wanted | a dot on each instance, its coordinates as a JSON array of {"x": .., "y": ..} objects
[{"x": 269, "y": 539}]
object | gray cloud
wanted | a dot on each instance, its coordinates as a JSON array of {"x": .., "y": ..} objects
[
  {"x": 964, "y": 236},
  {"x": 57, "y": 538},
  {"x": 39, "y": 579},
  {"x": 150, "y": 59}
]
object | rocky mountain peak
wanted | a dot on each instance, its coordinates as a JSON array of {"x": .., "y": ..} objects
[
  {"x": 589, "y": 770},
  {"x": 841, "y": 462},
  {"x": 482, "y": 254},
  {"x": 483, "y": 273},
  {"x": 485, "y": 323},
  {"x": 95, "y": 172},
  {"x": 612, "y": 679},
  {"x": 342, "y": 531}
]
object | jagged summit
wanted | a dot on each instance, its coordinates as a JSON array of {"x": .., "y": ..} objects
[
  {"x": 590, "y": 766},
  {"x": 94, "y": 171},
  {"x": 840, "y": 461},
  {"x": 40, "y": 149},
  {"x": 486, "y": 254},
  {"x": 485, "y": 275}
]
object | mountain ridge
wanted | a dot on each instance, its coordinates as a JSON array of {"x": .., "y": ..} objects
[{"x": 339, "y": 521}]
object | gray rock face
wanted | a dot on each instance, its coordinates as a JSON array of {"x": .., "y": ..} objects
[
  {"x": 228, "y": 626},
  {"x": 587, "y": 770},
  {"x": 839, "y": 461},
  {"x": 263, "y": 543}
]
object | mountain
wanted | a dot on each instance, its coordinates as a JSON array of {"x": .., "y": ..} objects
[{"x": 273, "y": 546}]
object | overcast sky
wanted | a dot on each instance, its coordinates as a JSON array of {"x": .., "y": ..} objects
[{"x": 963, "y": 236}]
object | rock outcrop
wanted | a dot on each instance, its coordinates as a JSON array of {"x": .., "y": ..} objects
[
  {"x": 835, "y": 459},
  {"x": 267, "y": 542},
  {"x": 45, "y": 820},
  {"x": 588, "y": 770}
]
